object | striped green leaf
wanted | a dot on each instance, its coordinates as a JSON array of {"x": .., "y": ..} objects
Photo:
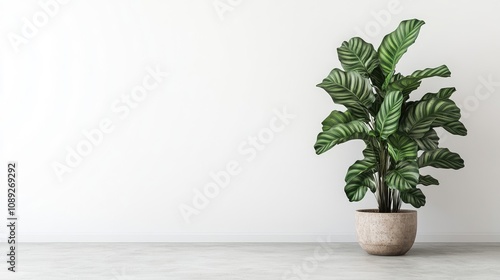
[
  {"x": 456, "y": 128},
  {"x": 415, "y": 197},
  {"x": 359, "y": 56},
  {"x": 440, "y": 71},
  {"x": 427, "y": 180},
  {"x": 404, "y": 83},
  {"x": 451, "y": 109},
  {"x": 429, "y": 141},
  {"x": 443, "y": 93},
  {"x": 441, "y": 158},
  {"x": 371, "y": 152},
  {"x": 357, "y": 188},
  {"x": 339, "y": 134},
  {"x": 402, "y": 147},
  {"x": 403, "y": 177},
  {"x": 395, "y": 44},
  {"x": 429, "y": 113},
  {"x": 351, "y": 90},
  {"x": 412, "y": 82},
  {"x": 386, "y": 122},
  {"x": 337, "y": 117},
  {"x": 359, "y": 167},
  {"x": 405, "y": 86}
]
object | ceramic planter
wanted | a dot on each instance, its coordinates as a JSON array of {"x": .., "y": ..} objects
[{"x": 386, "y": 234}]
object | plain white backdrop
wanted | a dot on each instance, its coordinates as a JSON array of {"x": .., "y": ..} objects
[{"x": 233, "y": 68}]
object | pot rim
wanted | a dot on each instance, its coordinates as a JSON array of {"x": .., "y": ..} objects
[{"x": 375, "y": 211}]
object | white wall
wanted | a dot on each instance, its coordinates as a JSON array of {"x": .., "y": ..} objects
[{"x": 227, "y": 78}]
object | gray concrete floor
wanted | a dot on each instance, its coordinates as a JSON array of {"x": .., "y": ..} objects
[{"x": 249, "y": 261}]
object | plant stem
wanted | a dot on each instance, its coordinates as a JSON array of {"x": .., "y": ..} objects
[
  {"x": 396, "y": 201},
  {"x": 385, "y": 196}
]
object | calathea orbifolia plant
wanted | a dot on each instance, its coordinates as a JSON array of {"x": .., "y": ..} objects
[{"x": 399, "y": 133}]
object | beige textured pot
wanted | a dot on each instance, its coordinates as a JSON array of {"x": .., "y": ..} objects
[{"x": 386, "y": 234}]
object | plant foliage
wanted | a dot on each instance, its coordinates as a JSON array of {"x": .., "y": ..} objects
[{"x": 399, "y": 133}]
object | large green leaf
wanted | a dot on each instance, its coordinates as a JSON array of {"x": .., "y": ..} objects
[
  {"x": 443, "y": 93},
  {"x": 402, "y": 147},
  {"x": 456, "y": 127},
  {"x": 337, "y": 117},
  {"x": 358, "y": 55},
  {"x": 441, "y": 158},
  {"x": 359, "y": 167},
  {"x": 429, "y": 113},
  {"x": 440, "y": 71},
  {"x": 403, "y": 177},
  {"x": 356, "y": 188},
  {"x": 405, "y": 86},
  {"x": 429, "y": 141},
  {"x": 349, "y": 89},
  {"x": 413, "y": 196},
  {"x": 427, "y": 180},
  {"x": 371, "y": 152},
  {"x": 412, "y": 82},
  {"x": 387, "y": 120},
  {"x": 339, "y": 134},
  {"x": 396, "y": 43}
]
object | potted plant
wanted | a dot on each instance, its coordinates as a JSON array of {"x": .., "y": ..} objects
[{"x": 399, "y": 133}]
